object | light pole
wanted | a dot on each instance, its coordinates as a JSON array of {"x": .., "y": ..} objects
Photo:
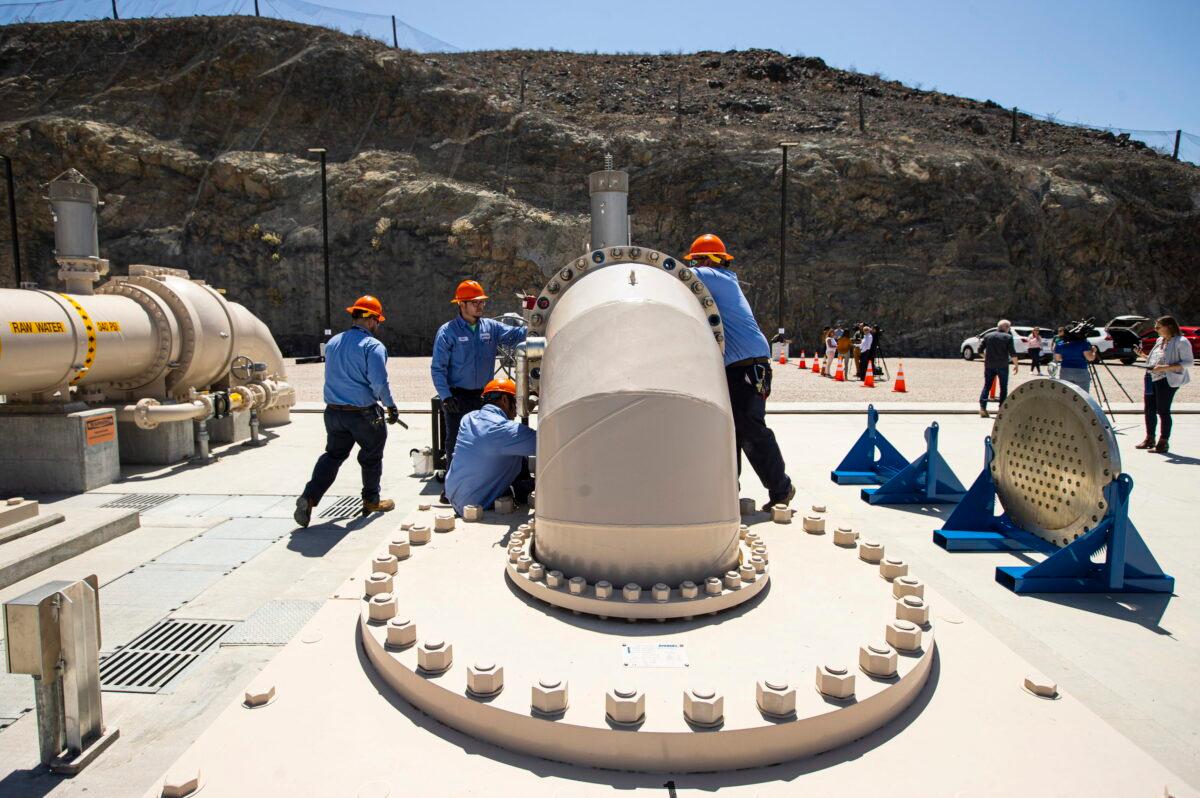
[
  {"x": 12, "y": 220},
  {"x": 783, "y": 227},
  {"x": 324, "y": 243}
]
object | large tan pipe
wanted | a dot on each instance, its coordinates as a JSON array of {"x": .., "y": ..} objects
[{"x": 637, "y": 476}]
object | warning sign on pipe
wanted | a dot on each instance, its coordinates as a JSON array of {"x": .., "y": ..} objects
[
  {"x": 108, "y": 326},
  {"x": 100, "y": 429},
  {"x": 28, "y": 327}
]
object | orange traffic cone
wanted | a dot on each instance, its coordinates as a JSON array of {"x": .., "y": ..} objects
[
  {"x": 898, "y": 386},
  {"x": 840, "y": 376},
  {"x": 992, "y": 393},
  {"x": 817, "y": 367},
  {"x": 802, "y": 364},
  {"x": 783, "y": 356},
  {"x": 869, "y": 380}
]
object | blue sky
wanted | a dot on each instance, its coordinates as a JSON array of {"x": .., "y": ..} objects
[{"x": 1130, "y": 65}]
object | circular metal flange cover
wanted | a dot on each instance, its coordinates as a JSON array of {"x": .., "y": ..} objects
[{"x": 1054, "y": 453}]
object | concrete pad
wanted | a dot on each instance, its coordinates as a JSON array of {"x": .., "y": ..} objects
[
  {"x": 81, "y": 530},
  {"x": 16, "y": 509},
  {"x": 27, "y": 527}
]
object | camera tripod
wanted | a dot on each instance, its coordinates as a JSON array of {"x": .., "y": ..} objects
[{"x": 1100, "y": 386}]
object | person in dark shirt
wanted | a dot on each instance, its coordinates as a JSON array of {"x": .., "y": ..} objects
[
  {"x": 1073, "y": 356},
  {"x": 998, "y": 352}
]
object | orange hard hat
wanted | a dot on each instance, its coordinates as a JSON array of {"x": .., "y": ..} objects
[
  {"x": 708, "y": 244},
  {"x": 368, "y": 304},
  {"x": 500, "y": 386},
  {"x": 467, "y": 290}
]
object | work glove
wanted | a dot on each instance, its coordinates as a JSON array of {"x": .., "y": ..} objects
[
  {"x": 451, "y": 405},
  {"x": 393, "y": 415}
]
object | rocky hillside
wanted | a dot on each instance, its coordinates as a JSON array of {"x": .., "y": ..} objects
[{"x": 445, "y": 166}]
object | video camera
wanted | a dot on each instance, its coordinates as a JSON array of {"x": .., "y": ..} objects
[{"x": 1080, "y": 330}]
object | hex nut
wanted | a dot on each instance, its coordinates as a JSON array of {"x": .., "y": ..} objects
[
  {"x": 743, "y": 530},
  {"x": 775, "y": 697},
  {"x": 761, "y": 551},
  {"x": 485, "y": 679},
  {"x": 835, "y": 681},
  {"x": 660, "y": 592},
  {"x": 181, "y": 782},
  {"x": 870, "y": 551},
  {"x": 532, "y": 499},
  {"x": 713, "y": 586},
  {"x": 814, "y": 525},
  {"x": 515, "y": 552},
  {"x": 443, "y": 522},
  {"x": 504, "y": 505},
  {"x": 689, "y": 590},
  {"x": 379, "y": 583},
  {"x": 903, "y": 636},
  {"x": 435, "y": 656},
  {"x": 912, "y": 609},
  {"x": 577, "y": 585},
  {"x": 381, "y": 608},
  {"x": 733, "y": 580},
  {"x": 625, "y": 705},
  {"x": 405, "y": 526},
  {"x": 258, "y": 695},
  {"x": 537, "y": 571},
  {"x": 525, "y": 530},
  {"x": 703, "y": 706},
  {"x": 399, "y": 548},
  {"x": 781, "y": 514},
  {"x": 549, "y": 696},
  {"x": 746, "y": 506},
  {"x": 844, "y": 536},
  {"x": 891, "y": 567},
  {"x": 604, "y": 589},
  {"x": 523, "y": 563},
  {"x": 632, "y": 592},
  {"x": 401, "y": 632},
  {"x": 907, "y": 586},
  {"x": 1041, "y": 686},
  {"x": 818, "y": 508},
  {"x": 554, "y": 579},
  {"x": 419, "y": 535},
  {"x": 758, "y": 564},
  {"x": 472, "y": 512},
  {"x": 752, "y": 539},
  {"x": 746, "y": 573},
  {"x": 878, "y": 659},
  {"x": 383, "y": 563},
  {"x": 424, "y": 506}
]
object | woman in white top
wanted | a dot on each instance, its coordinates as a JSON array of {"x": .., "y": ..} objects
[
  {"x": 1166, "y": 370},
  {"x": 1035, "y": 351},
  {"x": 830, "y": 350}
]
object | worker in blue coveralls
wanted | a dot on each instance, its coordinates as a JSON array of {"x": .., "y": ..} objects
[
  {"x": 356, "y": 395},
  {"x": 489, "y": 458},
  {"x": 464, "y": 357},
  {"x": 747, "y": 369}
]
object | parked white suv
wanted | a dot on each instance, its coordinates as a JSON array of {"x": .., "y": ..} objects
[{"x": 972, "y": 346}]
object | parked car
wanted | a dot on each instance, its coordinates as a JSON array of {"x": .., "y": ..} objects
[
  {"x": 1125, "y": 332},
  {"x": 1190, "y": 333},
  {"x": 972, "y": 346}
]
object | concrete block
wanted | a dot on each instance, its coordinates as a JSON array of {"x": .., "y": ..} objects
[
  {"x": 231, "y": 429},
  {"x": 29, "y": 526},
  {"x": 58, "y": 452},
  {"x": 83, "y": 530},
  {"x": 17, "y": 509},
  {"x": 168, "y": 443}
]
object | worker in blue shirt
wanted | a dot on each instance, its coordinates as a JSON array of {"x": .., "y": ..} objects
[
  {"x": 356, "y": 385},
  {"x": 464, "y": 357},
  {"x": 489, "y": 459},
  {"x": 747, "y": 369}
]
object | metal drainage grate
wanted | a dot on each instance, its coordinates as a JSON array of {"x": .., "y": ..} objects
[
  {"x": 141, "y": 501},
  {"x": 345, "y": 507},
  {"x": 159, "y": 654}
]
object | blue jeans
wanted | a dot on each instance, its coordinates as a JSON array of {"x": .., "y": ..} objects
[
  {"x": 1080, "y": 377},
  {"x": 990, "y": 373},
  {"x": 344, "y": 429},
  {"x": 750, "y": 430}
]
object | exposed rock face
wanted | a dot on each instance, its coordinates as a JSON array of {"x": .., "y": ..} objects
[{"x": 930, "y": 223}]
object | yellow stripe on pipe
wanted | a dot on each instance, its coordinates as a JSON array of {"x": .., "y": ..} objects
[{"x": 90, "y": 357}]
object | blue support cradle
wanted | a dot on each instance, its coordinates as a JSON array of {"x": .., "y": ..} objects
[
  {"x": 1127, "y": 567},
  {"x": 859, "y": 466},
  {"x": 927, "y": 480}
]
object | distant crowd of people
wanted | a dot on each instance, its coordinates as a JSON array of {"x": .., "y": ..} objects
[{"x": 857, "y": 345}]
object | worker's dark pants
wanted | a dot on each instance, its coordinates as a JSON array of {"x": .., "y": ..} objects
[
  {"x": 751, "y": 433},
  {"x": 468, "y": 399},
  {"x": 990, "y": 373},
  {"x": 866, "y": 358},
  {"x": 1156, "y": 403},
  {"x": 343, "y": 429},
  {"x": 522, "y": 485}
]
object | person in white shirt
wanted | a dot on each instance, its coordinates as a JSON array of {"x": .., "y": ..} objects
[
  {"x": 866, "y": 349},
  {"x": 1166, "y": 372}
]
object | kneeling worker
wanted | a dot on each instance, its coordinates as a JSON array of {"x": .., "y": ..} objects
[
  {"x": 489, "y": 458},
  {"x": 747, "y": 369},
  {"x": 356, "y": 383}
]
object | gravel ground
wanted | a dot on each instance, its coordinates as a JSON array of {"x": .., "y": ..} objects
[{"x": 928, "y": 380}]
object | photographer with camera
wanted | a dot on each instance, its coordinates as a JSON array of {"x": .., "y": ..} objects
[
  {"x": 1072, "y": 352},
  {"x": 998, "y": 351}
]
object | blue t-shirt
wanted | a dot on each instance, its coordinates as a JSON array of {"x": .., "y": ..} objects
[
  {"x": 743, "y": 338},
  {"x": 1071, "y": 353},
  {"x": 487, "y": 457}
]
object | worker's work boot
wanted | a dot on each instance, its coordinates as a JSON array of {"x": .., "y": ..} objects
[
  {"x": 791, "y": 494},
  {"x": 983, "y": 413},
  {"x": 380, "y": 506},
  {"x": 303, "y": 512}
]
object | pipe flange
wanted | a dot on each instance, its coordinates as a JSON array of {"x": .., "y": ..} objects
[
  {"x": 187, "y": 327},
  {"x": 162, "y": 327}
]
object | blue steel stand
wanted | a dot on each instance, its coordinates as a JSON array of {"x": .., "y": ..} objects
[
  {"x": 860, "y": 467},
  {"x": 1128, "y": 565},
  {"x": 927, "y": 480},
  {"x": 974, "y": 525}
]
